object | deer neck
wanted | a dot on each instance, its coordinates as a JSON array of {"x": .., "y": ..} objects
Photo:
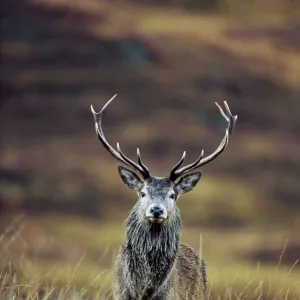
[{"x": 150, "y": 251}]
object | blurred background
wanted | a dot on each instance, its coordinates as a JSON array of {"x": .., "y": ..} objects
[{"x": 63, "y": 205}]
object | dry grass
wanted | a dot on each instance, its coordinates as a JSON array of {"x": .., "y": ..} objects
[{"x": 71, "y": 259}]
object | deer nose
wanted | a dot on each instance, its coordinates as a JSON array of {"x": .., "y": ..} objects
[{"x": 157, "y": 211}]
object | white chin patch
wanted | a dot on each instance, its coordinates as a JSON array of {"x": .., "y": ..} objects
[{"x": 156, "y": 220}]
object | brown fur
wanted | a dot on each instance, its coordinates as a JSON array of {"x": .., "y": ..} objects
[{"x": 187, "y": 280}]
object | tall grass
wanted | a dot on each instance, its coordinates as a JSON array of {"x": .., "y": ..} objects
[{"x": 225, "y": 281}]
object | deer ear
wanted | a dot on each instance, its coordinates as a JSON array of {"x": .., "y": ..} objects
[
  {"x": 187, "y": 182},
  {"x": 130, "y": 178}
]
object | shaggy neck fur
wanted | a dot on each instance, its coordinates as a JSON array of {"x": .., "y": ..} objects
[{"x": 150, "y": 251}]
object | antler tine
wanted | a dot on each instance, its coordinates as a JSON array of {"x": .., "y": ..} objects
[
  {"x": 189, "y": 167},
  {"x": 231, "y": 119},
  {"x": 178, "y": 164},
  {"x": 200, "y": 162},
  {"x": 228, "y": 117},
  {"x": 146, "y": 170},
  {"x": 141, "y": 167},
  {"x": 117, "y": 154},
  {"x": 127, "y": 160}
]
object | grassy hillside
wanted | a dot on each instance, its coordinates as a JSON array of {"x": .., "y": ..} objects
[{"x": 192, "y": 60}]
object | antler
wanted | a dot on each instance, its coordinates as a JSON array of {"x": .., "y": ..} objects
[
  {"x": 119, "y": 155},
  {"x": 175, "y": 173}
]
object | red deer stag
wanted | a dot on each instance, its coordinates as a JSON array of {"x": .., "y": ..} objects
[{"x": 152, "y": 264}]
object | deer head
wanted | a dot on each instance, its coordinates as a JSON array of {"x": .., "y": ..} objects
[{"x": 157, "y": 196}]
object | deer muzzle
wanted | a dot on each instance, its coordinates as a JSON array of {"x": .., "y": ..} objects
[{"x": 156, "y": 213}]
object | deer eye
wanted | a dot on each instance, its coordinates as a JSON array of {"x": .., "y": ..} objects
[
  {"x": 143, "y": 194},
  {"x": 172, "y": 196}
]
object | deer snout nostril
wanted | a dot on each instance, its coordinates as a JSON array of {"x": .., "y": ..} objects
[{"x": 156, "y": 211}]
